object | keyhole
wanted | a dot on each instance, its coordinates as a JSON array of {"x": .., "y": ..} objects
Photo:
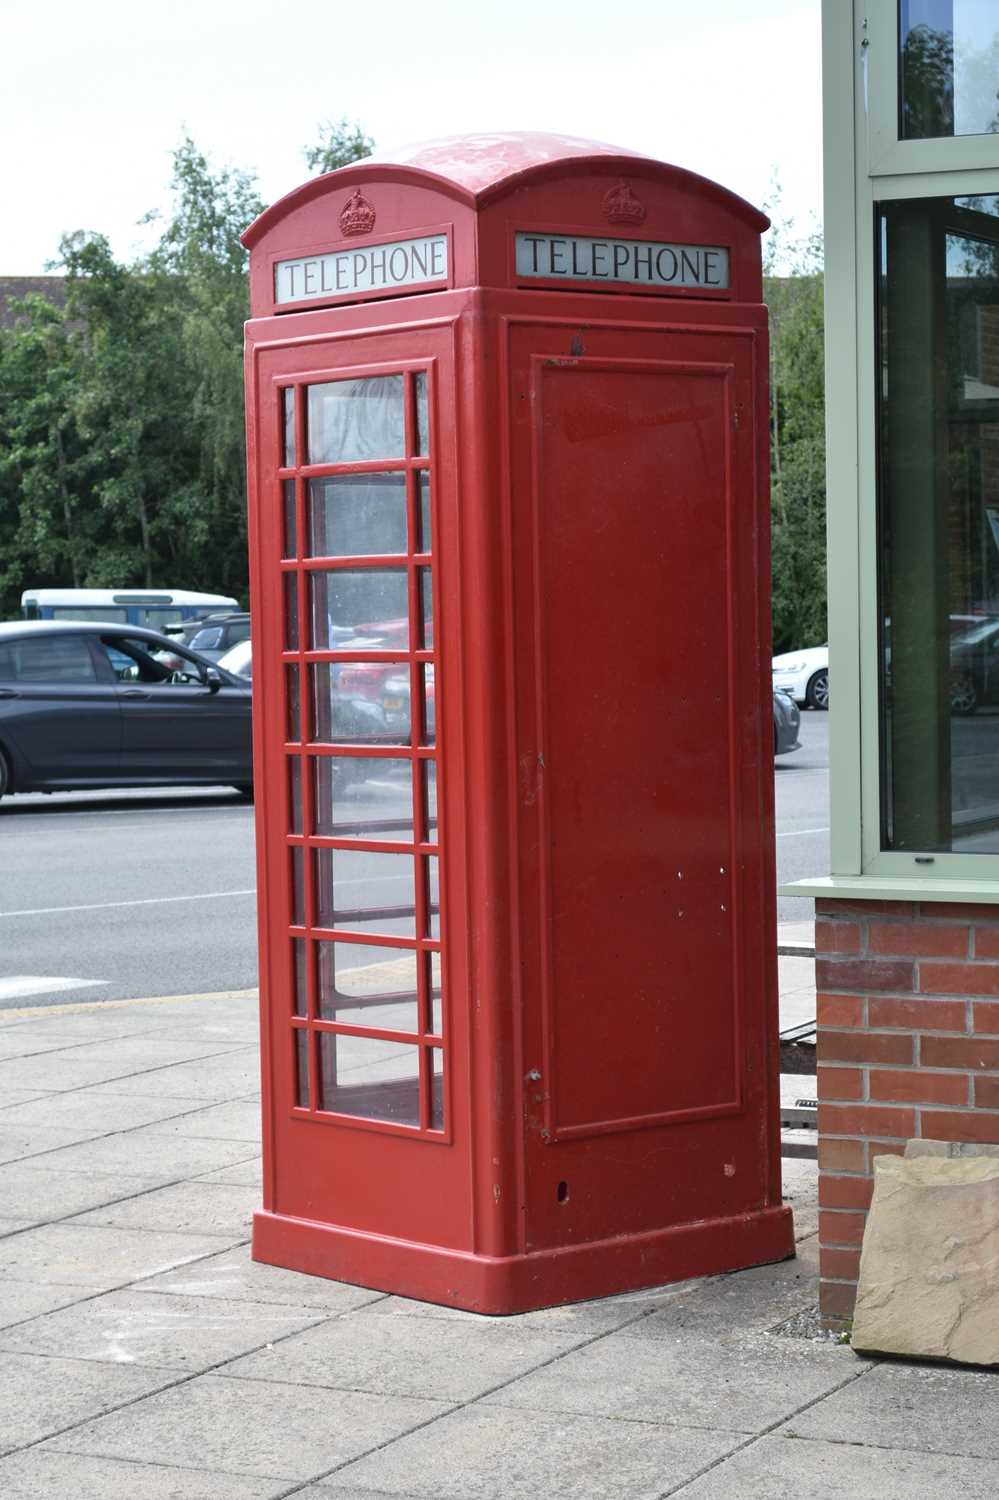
[{"x": 562, "y": 1192}]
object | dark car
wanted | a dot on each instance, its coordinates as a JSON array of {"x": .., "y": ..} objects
[
  {"x": 85, "y": 705},
  {"x": 787, "y": 718}
]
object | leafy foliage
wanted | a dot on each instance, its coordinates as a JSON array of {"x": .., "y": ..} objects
[
  {"x": 797, "y": 434},
  {"x": 122, "y": 443}
]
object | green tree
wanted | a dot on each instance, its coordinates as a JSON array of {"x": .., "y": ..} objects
[
  {"x": 797, "y": 434},
  {"x": 340, "y": 143}
]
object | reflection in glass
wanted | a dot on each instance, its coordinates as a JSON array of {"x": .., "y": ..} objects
[
  {"x": 433, "y": 891},
  {"x": 301, "y": 1002},
  {"x": 357, "y": 515},
  {"x": 362, "y": 985},
  {"x": 298, "y": 885},
  {"x": 426, "y": 539},
  {"x": 949, "y": 63},
  {"x": 422, "y": 424},
  {"x": 436, "y": 1089},
  {"x": 939, "y": 526},
  {"x": 288, "y": 400},
  {"x": 291, "y": 611},
  {"x": 426, "y": 606},
  {"x": 294, "y": 725},
  {"x": 353, "y": 421},
  {"x": 360, "y": 798},
  {"x": 364, "y": 892},
  {"x": 429, "y": 705},
  {"x": 362, "y": 609},
  {"x": 295, "y": 793},
  {"x": 430, "y": 798},
  {"x": 369, "y": 1078},
  {"x": 290, "y": 528},
  {"x": 349, "y": 704},
  {"x": 302, "y": 1067},
  {"x": 435, "y": 992}
]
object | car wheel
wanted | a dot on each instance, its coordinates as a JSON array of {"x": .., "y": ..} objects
[
  {"x": 963, "y": 694},
  {"x": 817, "y": 691}
]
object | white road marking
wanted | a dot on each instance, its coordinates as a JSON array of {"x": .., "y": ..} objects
[
  {"x": 20, "y": 985},
  {"x": 45, "y": 911},
  {"x": 797, "y": 833}
]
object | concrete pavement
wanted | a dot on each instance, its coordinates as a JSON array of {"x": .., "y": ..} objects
[{"x": 143, "y": 1354}]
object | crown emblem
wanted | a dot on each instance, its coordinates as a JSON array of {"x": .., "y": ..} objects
[
  {"x": 358, "y": 217},
  {"x": 622, "y": 207}
]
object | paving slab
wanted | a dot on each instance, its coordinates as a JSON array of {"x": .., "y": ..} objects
[
  {"x": 720, "y": 1306},
  {"x": 29, "y": 1189},
  {"x": 186, "y": 1208},
  {"x": 95, "y": 1113},
  {"x": 582, "y": 1318},
  {"x": 251, "y": 1427},
  {"x": 11, "y": 1098},
  {"x": 402, "y": 1357},
  {"x": 78, "y": 1067},
  {"x": 18, "y": 1142},
  {"x": 136, "y": 1153},
  {"x": 236, "y": 1075},
  {"x": 38, "y": 1472},
  {"x": 182, "y": 1333},
  {"x": 800, "y": 1188},
  {"x": 237, "y": 1120},
  {"x": 488, "y": 1453},
  {"x": 249, "y": 1173},
  {"x": 921, "y": 1408},
  {"x": 778, "y": 1469},
  {"x": 20, "y": 1300},
  {"x": 87, "y": 1255},
  {"x": 234, "y": 1276},
  {"x": 39, "y": 1396},
  {"x": 692, "y": 1382}
]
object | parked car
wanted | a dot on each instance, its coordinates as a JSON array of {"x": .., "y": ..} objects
[
  {"x": 238, "y": 660},
  {"x": 213, "y": 635},
  {"x": 804, "y": 675},
  {"x": 974, "y": 664},
  {"x": 90, "y": 705},
  {"x": 786, "y": 721}
]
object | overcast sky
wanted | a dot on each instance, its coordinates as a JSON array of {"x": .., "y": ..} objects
[{"x": 96, "y": 96}]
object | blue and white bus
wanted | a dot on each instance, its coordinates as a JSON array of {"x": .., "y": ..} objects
[{"x": 153, "y": 608}]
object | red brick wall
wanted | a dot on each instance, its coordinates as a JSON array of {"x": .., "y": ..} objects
[{"x": 908, "y": 1045}]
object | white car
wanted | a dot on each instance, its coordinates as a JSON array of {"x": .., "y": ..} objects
[{"x": 804, "y": 675}]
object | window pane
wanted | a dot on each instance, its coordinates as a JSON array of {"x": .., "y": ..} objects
[
  {"x": 288, "y": 400},
  {"x": 349, "y": 703},
  {"x": 367, "y": 986},
  {"x": 291, "y": 611},
  {"x": 949, "y": 66},
  {"x": 294, "y": 725},
  {"x": 426, "y": 539},
  {"x": 352, "y": 421},
  {"x": 436, "y": 1000},
  {"x": 359, "y": 798},
  {"x": 429, "y": 704},
  {"x": 436, "y": 1089},
  {"x": 358, "y": 515},
  {"x": 422, "y": 425},
  {"x": 290, "y": 526},
  {"x": 363, "y": 609},
  {"x": 368, "y": 1078},
  {"x": 295, "y": 793},
  {"x": 302, "y": 1067},
  {"x": 430, "y": 798},
  {"x": 366, "y": 892},
  {"x": 53, "y": 658},
  {"x": 300, "y": 998},
  {"x": 426, "y": 587},
  {"x": 939, "y": 526},
  {"x": 433, "y": 891},
  {"x": 298, "y": 886}
]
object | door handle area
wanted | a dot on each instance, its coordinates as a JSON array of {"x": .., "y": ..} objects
[{"x": 133, "y": 693}]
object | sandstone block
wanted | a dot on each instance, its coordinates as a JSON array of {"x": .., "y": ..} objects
[{"x": 929, "y": 1268}]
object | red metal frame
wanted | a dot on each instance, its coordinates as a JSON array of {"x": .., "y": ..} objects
[{"x": 579, "y": 1154}]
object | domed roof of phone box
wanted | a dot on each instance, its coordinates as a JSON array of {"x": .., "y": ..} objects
[{"x": 476, "y": 169}]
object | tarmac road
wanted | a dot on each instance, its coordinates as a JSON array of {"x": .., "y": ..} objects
[{"x": 122, "y": 894}]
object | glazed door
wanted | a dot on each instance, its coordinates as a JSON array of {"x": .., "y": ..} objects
[
  {"x": 349, "y": 625},
  {"x": 639, "y": 583}
]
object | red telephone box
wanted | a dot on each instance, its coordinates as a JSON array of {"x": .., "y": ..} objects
[{"x": 507, "y": 417}]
